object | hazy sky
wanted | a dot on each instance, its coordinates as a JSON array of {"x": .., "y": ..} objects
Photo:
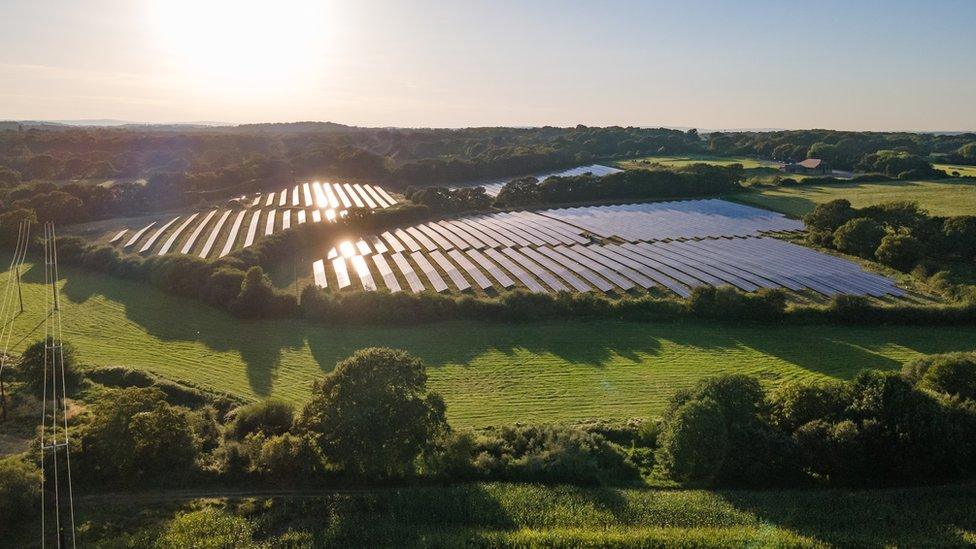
[{"x": 884, "y": 64}]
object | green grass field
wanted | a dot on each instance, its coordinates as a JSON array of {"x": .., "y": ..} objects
[
  {"x": 685, "y": 160},
  {"x": 947, "y": 197},
  {"x": 964, "y": 171},
  {"x": 507, "y": 515},
  {"x": 488, "y": 373}
]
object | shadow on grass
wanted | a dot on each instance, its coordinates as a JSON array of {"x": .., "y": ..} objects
[
  {"x": 923, "y": 516},
  {"x": 831, "y": 350}
]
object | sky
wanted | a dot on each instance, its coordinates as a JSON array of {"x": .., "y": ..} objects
[{"x": 852, "y": 64}]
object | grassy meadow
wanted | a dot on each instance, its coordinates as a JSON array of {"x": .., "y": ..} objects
[
  {"x": 678, "y": 161},
  {"x": 945, "y": 197},
  {"x": 488, "y": 373}
]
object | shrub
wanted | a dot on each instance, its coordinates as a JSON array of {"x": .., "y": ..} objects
[
  {"x": 36, "y": 366},
  {"x": 830, "y": 215},
  {"x": 900, "y": 251},
  {"x": 951, "y": 374},
  {"x": 860, "y": 236},
  {"x": 288, "y": 459},
  {"x": 693, "y": 444},
  {"x": 271, "y": 417},
  {"x": 797, "y": 403},
  {"x": 208, "y": 529},
  {"x": 20, "y": 490}
]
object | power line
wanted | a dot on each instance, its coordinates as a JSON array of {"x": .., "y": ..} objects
[{"x": 13, "y": 279}]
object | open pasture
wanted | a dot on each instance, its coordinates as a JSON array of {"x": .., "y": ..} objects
[
  {"x": 489, "y": 373},
  {"x": 219, "y": 231},
  {"x": 680, "y": 161},
  {"x": 671, "y": 247},
  {"x": 943, "y": 197}
]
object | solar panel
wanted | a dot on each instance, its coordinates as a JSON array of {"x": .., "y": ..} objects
[
  {"x": 286, "y": 220},
  {"x": 342, "y": 274},
  {"x": 269, "y": 225},
  {"x": 196, "y": 232},
  {"x": 462, "y": 238},
  {"x": 487, "y": 234},
  {"x": 393, "y": 242},
  {"x": 353, "y": 195},
  {"x": 232, "y": 236},
  {"x": 386, "y": 272},
  {"x": 365, "y": 277},
  {"x": 212, "y": 238},
  {"x": 589, "y": 275},
  {"x": 529, "y": 229},
  {"x": 366, "y": 198},
  {"x": 435, "y": 279},
  {"x": 476, "y": 237},
  {"x": 435, "y": 235},
  {"x": 307, "y": 191},
  {"x": 318, "y": 196},
  {"x": 479, "y": 278},
  {"x": 422, "y": 238},
  {"x": 540, "y": 272},
  {"x": 380, "y": 201},
  {"x": 346, "y": 203},
  {"x": 416, "y": 286},
  {"x": 561, "y": 271},
  {"x": 746, "y": 264},
  {"x": 138, "y": 235},
  {"x": 618, "y": 267},
  {"x": 716, "y": 263},
  {"x": 407, "y": 240},
  {"x": 493, "y": 270},
  {"x": 500, "y": 232},
  {"x": 152, "y": 240},
  {"x": 452, "y": 272},
  {"x": 318, "y": 272},
  {"x": 632, "y": 260},
  {"x": 363, "y": 247},
  {"x": 389, "y": 199},
  {"x": 516, "y": 271},
  {"x": 330, "y": 194},
  {"x": 301, "y": 217},
  {"x": 176, "y": 234},
  {"x": 294, "y": 197},
  {"x": 378, "y": 245},
  {"x": 699, "y": 268},
  {"x": 283, "y": 199},
  {"x": 316, "y": 216},
  {"x": 666, "y": 267},
  {"x": 252, "y": 229},
  {"x": 118, "y": 236},
  {"x": 257, "y": 200},
  {"x": 270, "y": 200}
]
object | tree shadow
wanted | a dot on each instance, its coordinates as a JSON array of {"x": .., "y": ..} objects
[{"x": 922, "y": 516}]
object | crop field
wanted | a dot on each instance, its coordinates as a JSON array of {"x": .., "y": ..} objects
[
  {"x": 488, "y": 373},
  {"x": 688, "y": 159},
  {"x": 946, "y": 197}
]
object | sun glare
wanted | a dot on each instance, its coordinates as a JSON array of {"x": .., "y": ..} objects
[{"x": 243, "y": 47}]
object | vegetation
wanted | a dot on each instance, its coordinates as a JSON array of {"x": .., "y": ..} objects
[{"x": 488, "y": 373}]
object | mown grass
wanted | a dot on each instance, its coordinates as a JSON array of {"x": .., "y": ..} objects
[
  {"x": 964, "y": 171},
  {"x": 946, "y": 197},
  {"x": 489, "y": 373},
  {"x": 678, "y": 161},
  {"x": 531, "y": 515}
]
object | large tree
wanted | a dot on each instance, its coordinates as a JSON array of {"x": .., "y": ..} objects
[{"x": 373, "y": 415}]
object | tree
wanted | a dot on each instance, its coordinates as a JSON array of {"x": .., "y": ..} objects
[
  {"x": 20, "y": 490},
  {"x": 950, "y": 373},
  {"x": 373, "y": 415},
  {"x": 901, "y": 251},
  {"x": 162, "y": 441},
  {"x": 522, "y": 191},
  {"x": 8, "y": 177},
  {"x": 959, "y": 236},
  {"x": 42, "y": 166},
  {"x": 694, "y": 442},
  {"x": 830, "y": 215},
  {"x": 860, "y": 236},
  {"x": 36, "y": 372}
]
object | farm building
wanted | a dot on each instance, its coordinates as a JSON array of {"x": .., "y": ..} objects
[{"x": 808, "y": 166}]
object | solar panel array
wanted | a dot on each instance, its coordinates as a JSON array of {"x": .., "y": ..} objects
[
  {"x": 493, "y": 186},
  {"x": 673, "y": 246},
  {"x": 216, "y": 233}
]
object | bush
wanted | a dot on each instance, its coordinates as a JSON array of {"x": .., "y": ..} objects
[
  {"x": 208, "y": 529},
  {"x": 20, "y": 491},
  {"x": 830, "y": 215},
  {"x": 860, "y": 236},
  {"x": 900, "y": 251},
  {"x": 952, "y": 374},
  {"x": 271, "y": 417},
  {"x": 36, "y": 365},
  {"x": 795, "y": 404},
  {"x": 288, "y": 459},
  {"x": 693, "y": 444}
]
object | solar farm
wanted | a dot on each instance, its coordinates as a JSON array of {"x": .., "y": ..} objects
[
  {"x": 218, "y": 232},
  {"x": 667, "y": 246},
  {"x": 494, "y": 186}
]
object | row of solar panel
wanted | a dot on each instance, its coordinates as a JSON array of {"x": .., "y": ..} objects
[
  {"x": 745, "y": 263},
  {"x": 670, "y": 220},
  {"x": 273, "y": 220},
  {"x": 326, "y": 195}
]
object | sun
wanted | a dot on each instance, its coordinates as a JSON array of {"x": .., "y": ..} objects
[{"x": 243, "y": 47}]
